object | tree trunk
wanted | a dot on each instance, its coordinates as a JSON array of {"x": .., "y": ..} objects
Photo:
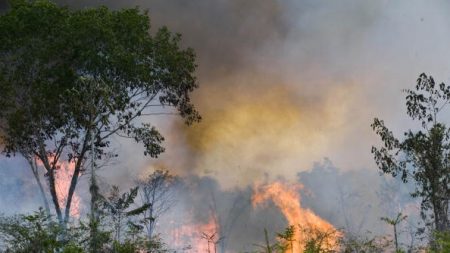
[
  {"x": 441, "y": 219},
  {"x": 73, "y": 184},
  {"x": 266, "y": 236},
  {"x": 35, "y": 171},
  {"x": 52, "y": 186},
  {"x": 395, "y": 237},
  {"x": 93, "y": 189},
  {"x": 74, "y": 181}
]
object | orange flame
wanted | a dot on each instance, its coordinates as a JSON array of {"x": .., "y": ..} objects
[
  {"x": 287, "y": 198},
  {"x": 197, "y": 237},
  {"x": 63, "y": 177}
]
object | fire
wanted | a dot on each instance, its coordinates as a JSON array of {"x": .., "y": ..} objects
[
  {"x": 202, "y": 237},
  {"x": 287, "y": 198},
  {"x": 63, "y": 176}
]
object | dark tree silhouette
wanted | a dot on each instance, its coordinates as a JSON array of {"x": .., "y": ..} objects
[
  {"x": 424, "y": 155},
  {"x": 72, "y": 78}
]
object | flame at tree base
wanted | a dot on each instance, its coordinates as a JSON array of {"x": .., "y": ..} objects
[
  {"x": 63, "y": 177},
  {"x": 310, "y": 226},
  {"x": 197, "y": 237}
]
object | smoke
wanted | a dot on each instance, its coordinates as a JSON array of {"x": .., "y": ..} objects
[
  {"x": 285, "y": 83},
  {"x": 19, "y": 191},
  {"x": 344, "y": 198},
  {"x": 337, "y": 196}
]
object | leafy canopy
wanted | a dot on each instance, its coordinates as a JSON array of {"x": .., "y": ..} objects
[
  {"x": 69, "y": 78},
  {"x": 63, "y": 71},
  {"x": 424, "y": 155}
]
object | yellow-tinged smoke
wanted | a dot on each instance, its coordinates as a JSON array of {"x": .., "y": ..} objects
[{"x": 260, "y": 131}]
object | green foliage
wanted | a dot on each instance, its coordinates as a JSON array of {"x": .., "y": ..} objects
[
  {"x": 72, "y": 248},
  {"x": 319, "y": 241},
  {"x": 312, "y": 240},
  {"x": 363, "y": 244},
  {"x": 117, "y": 230},
  {"x": 397, "y": 220},
  {"x": 117, "y": 208},
  {"x": 286, "y": 239},
  {"x": 394, "y": 223},
  {"x": 422, "y": 156},
  {"x": 35, "y": 233},
  {"x": 441, "y": 243},
  {"x": 95, "y": 234},
  {"x": 125, "y": 247}
]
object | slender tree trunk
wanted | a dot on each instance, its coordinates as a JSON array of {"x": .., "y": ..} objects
[
  {"x": 73, "y": 184},
  {"x": 152, "y": 219},
  {"x": 395, "y": 237},
  {"x": 52, "y": 186},
  {"x": 93, "y": 189},
  {"x": 75, "y": 176},
  {"x": 118, "y": 226},
  {"x": 440, "y": 216},
  {"x": 35, "y": 171},
  {"x": 266, "y": 236}
]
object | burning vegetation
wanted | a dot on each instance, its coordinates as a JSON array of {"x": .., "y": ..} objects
[{"x": 300, "y": 220}]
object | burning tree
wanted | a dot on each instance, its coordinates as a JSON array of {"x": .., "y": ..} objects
[
  {"x": 70, "y": 80},
  {"x": 422, "y": 156}
]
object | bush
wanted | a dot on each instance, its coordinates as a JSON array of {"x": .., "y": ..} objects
[{"x": 30, "y": 233}]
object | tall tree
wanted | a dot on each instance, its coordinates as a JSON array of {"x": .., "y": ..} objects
[
  {"x": 156, "y": 190},
  {"x": 424, "y": 155},
  {"x": 69, "y": 78},
  {"x": 117, "y": 206}
]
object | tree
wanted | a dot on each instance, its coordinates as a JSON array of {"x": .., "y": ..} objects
[
  {"x": 117, "y": 208},
  {"x": 157, "y": 192},
  {"x": 286, "y": 239},
  {"x": 394, "y": 223},
  {"x": 72, "y": 78},
  {"x": 363, "y": 244},
  {"x": 424, "y": 155},
  {"x": 34, "y": 233}
]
